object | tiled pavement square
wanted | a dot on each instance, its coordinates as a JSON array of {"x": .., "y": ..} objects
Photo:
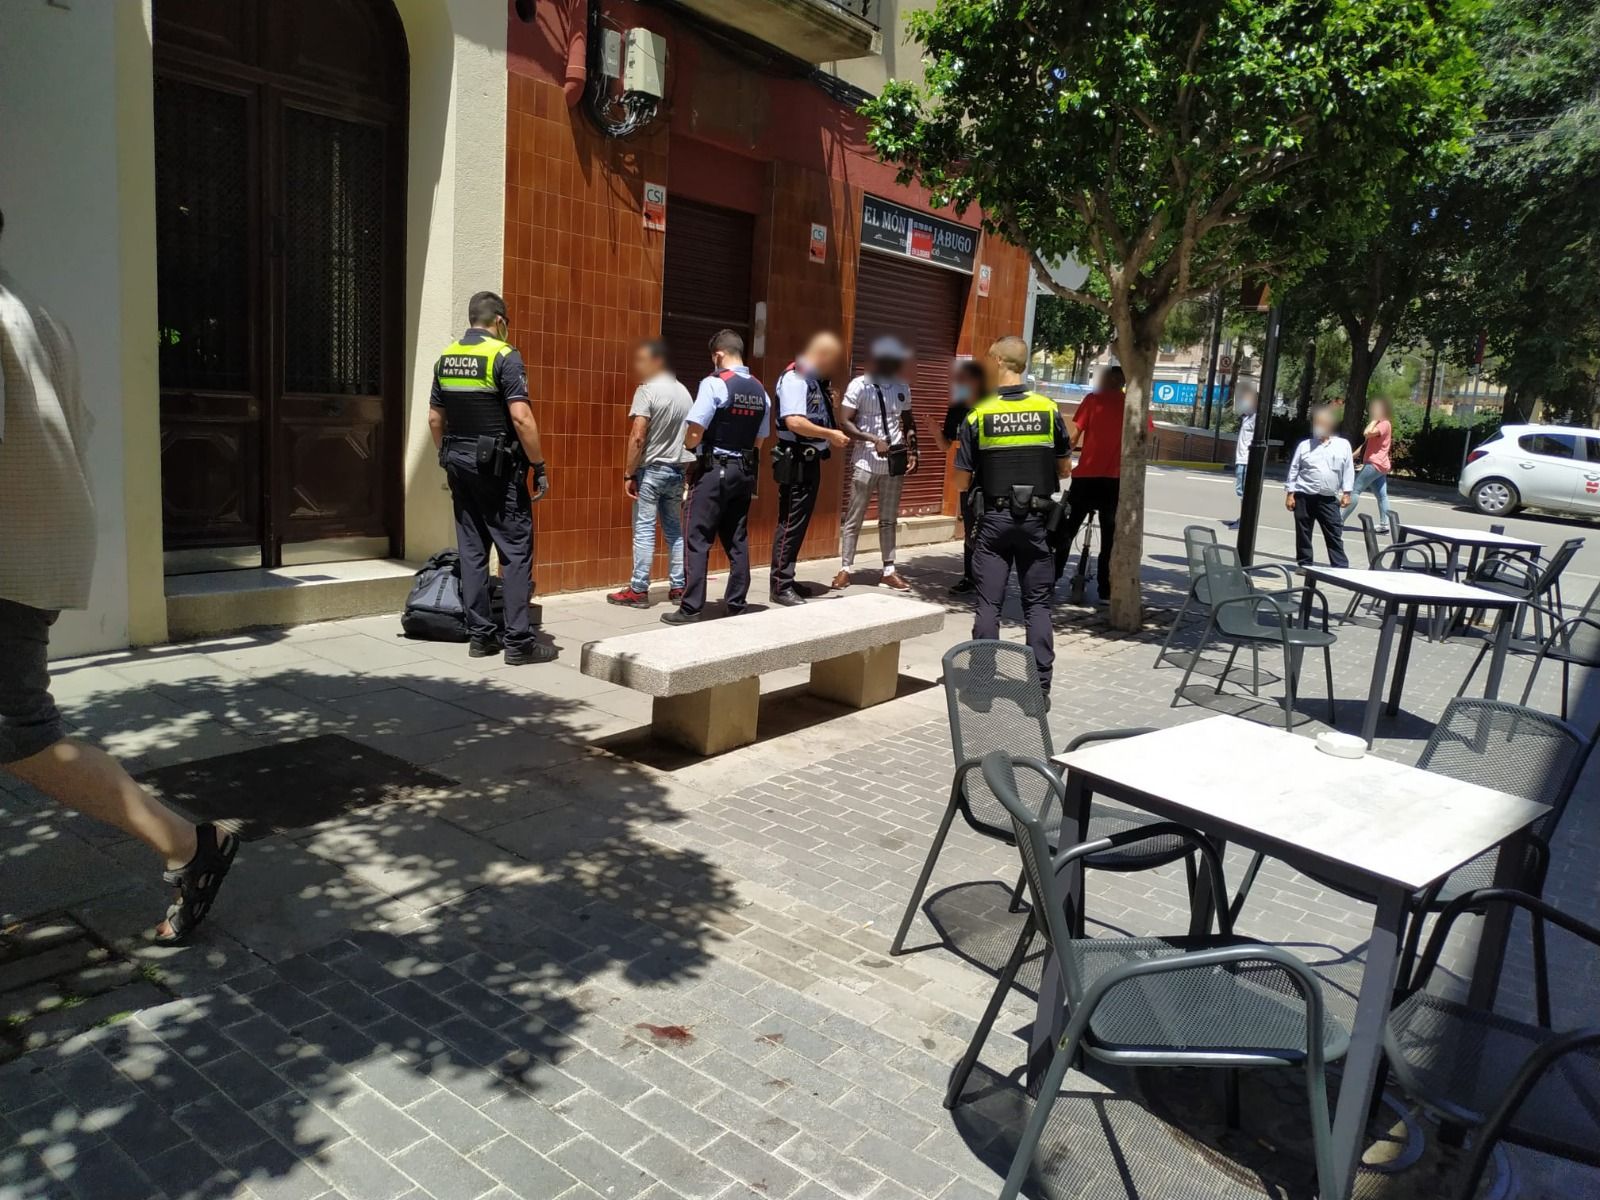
[{"x": 659, "y": 984}]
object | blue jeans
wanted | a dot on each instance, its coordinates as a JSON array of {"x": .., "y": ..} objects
[
  {"x": 1369, "y": 479},
  {"x": 660, "y": 495},
  {"x": 1238, "y": 479}
]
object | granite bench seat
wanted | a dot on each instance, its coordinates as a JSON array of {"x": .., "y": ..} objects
[{"x": 706, "y": 677}]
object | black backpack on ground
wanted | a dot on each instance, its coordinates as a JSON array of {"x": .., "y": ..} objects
[{"x": 434, "y": 611}]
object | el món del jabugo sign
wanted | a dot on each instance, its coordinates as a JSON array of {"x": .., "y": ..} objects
[{"x": 905, "y": 231}]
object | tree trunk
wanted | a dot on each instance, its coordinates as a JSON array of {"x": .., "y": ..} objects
[
  {"x": 1308, "y": 371},
  {"x": 1138, "y": 358},
  {"x": 1355, "y": 393}
]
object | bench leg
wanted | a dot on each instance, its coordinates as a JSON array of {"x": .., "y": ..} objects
[
  {"x": 860, "y": 679},
  {"x": 712, "y": 721}
]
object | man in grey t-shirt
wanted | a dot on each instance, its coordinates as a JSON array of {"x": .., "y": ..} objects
[{"x": 653, "y": 475}]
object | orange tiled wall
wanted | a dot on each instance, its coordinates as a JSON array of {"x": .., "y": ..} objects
[{"x": 583, "y": 282}]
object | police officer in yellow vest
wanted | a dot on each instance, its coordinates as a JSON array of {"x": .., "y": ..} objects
[
  {"x": 487, "y": 439},
  {"x": 1014, "y": 449}
]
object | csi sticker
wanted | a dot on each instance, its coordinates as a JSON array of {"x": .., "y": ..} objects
[
  {"x": 819, "y": 243},
  {"x": 1592, "y": 486},
  {"x": 655, "y": 206}
]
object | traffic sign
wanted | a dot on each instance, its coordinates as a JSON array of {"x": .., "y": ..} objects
[{"x": 1224, "y": 364}]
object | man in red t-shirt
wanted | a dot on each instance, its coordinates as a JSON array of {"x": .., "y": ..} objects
[{"x": 1096, "y": 480}]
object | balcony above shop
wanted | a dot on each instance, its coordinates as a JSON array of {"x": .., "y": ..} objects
[{"x": 815, "y": 31}]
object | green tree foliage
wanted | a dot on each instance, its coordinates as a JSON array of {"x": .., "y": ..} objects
[
  {"x": 1531, "y": 278},
  {"x": 1372, "y": 287},
  {"x": 1060, "y": 327},
  {"x": 1176, "y": 145}
]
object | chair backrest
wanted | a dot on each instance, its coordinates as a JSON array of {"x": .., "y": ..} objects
[
  {"x": 1511, "y": 749},
  {"x": 1195, "y": 540},
  {"x": 1555, "y": 564},
  {"x": 995, "y": 702},
  {"x": 1033, "y": 844},
  {"x": 1394, "y": 525},
  {"x": 1225, "y": 579},
  {"x": 1369, "y": 537}
]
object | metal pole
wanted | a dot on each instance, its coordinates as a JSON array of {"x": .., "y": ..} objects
[
  {"x": 1216, "y": 344},
  {"x": 1256, "y": 462},
  {"x": 1433, "y": 377}
]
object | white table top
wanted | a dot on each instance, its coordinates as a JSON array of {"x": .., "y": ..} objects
[
  {"x": 1471, "y": 537},
  {"x": 1411, "y": 586},
  {"x": 1383, "y": 821}
]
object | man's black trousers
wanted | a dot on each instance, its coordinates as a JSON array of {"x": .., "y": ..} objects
[
  {"x": 796, "y": 502},
  {"x": 1001, "y": 542},
  {"x": 718, "y": 511},
  {"x": 1096, "y": 495},
  {"x": 492, "y": 509},
  {"x": 1324, "y": 511}
]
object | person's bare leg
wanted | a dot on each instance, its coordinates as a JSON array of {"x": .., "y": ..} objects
[{"x": 88, "y": 780}]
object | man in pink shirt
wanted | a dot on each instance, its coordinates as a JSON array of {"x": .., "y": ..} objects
[{"x": 1375, "y": 464}]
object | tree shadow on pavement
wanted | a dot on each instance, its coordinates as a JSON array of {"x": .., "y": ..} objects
[{"x": 468, "y": 956}]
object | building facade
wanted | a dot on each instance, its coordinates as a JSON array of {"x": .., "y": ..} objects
[{"x": 262, "y": 219}]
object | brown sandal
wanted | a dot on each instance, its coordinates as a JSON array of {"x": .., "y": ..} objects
[{"x": 198, "y": 881}]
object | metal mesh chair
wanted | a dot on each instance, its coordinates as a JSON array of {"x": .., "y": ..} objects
[
  {"x": 1237, "y": 612},
  {"x": 1455, "y": 1059},
  {"x": 995, "y": 702},
  {"x": 1573, "y": 642},
  {"x": 1214, "y": 1000},
  {"x": 1197, "y": 539},
  {"x": 1418, "y": 555},
  {"x": 1525, "y": 576}
]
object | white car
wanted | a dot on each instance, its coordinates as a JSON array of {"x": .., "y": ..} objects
[{"x": 1553, "y": 467}]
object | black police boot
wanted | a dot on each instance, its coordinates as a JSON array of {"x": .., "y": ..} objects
[
  {"x": 530, "y": 654},
  {"x": 679, "y": 617},
  {"x": 788, "y": 598},
  {"x": 484, "y": 647},
  {"x": 962, "y": 587}
]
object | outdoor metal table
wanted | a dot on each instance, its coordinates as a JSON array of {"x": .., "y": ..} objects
[
  {"x": 1477, "y": 540},
  {"x": 1410, "y": 590},
  {"x": 1377, "y": 826}
]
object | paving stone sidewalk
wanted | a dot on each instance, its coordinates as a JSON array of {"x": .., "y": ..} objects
[{"x": 583, "y": 969}]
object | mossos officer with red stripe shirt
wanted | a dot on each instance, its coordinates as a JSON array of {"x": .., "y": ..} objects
[{"x": 730, "y": 417}]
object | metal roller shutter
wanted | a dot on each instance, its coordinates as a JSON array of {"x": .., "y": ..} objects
[
  {"x": 706, "y": 282},
  {"x": 920, "y": 305}
]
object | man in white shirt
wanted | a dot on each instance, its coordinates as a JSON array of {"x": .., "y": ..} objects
[
  {"x": 47, "y": 541},
  {"x": 1241, "y": 448},
  {"x": 877, "y": 416},
  {"x": 1321, "y": 474}
]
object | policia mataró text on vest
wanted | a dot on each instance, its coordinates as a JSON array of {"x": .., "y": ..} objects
[
  {"x": 1016, "y": 449},
  {"x": 484, "y": 429},
  {"x": 729, "y": 419},
  {"x": 807, "y": 433}
]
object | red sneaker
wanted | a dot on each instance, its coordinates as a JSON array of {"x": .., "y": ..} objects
[
  {"x": 675, "y": 595},
  {"x": 629, "y": 598}
]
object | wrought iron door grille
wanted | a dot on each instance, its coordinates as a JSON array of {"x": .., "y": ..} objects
[
  {"x": 202, "y": 238},
  {"x": 333, "y": 254}
]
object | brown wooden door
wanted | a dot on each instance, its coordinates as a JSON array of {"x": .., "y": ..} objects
[
  {"x": 705, "y": 283},
  {"x": 920, "y": 305},
  {"x": 280, "y": 161}
]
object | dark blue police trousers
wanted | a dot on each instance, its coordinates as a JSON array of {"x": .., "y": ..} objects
[
  {"x": 796, "y": 502},
  {"x": 499, "y": 510},
  {"x": 718, "y": 511},
  {"x": 1002, "y": 541}
]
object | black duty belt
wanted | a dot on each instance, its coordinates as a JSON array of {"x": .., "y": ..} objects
[{"x": 1003, "y": 504}]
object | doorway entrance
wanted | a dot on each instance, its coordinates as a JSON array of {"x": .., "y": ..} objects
[{"x": 280, "y": 182}]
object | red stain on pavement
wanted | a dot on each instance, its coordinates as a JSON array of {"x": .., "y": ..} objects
[{"x": 675, "y": 1034}]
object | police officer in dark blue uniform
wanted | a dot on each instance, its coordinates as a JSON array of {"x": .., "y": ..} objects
[
  {"x": 807, "y": 433},
  {"x": 1014, "y": 449},
  {"x": 484, "y": 429},
  {"x": 730, "y": 417}
]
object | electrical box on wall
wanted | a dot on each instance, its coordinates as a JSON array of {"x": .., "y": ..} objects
[
  {"x": 611, "y": 54},
  {"x": 644, "y": 64}
]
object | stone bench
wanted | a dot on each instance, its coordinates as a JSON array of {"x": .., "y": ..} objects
[{"x": 706, "y": 677}]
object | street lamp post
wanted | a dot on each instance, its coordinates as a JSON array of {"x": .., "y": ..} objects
[{"x": 1256, "y": 461}]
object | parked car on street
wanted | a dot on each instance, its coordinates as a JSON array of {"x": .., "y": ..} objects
[{"x": 1553, "y": 467}]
